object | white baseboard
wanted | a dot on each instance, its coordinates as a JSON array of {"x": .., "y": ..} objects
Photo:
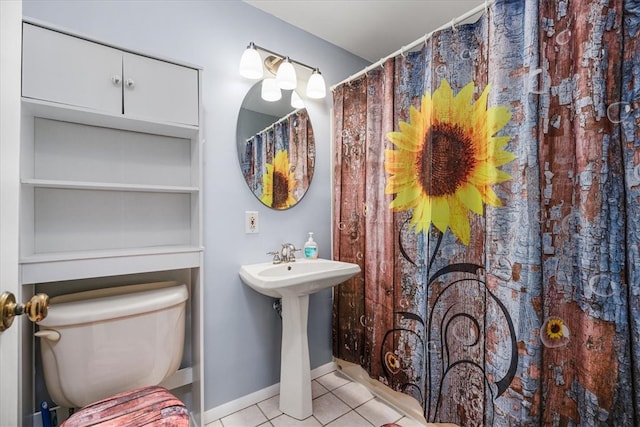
[{"x": 228, "y": 408}]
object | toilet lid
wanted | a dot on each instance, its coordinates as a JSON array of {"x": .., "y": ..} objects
[{"x": 112, "y": 303}]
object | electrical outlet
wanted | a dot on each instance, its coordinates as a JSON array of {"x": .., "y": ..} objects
[{"x": 251, "y": 222}]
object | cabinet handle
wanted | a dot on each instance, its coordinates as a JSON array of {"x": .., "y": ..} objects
[
  {"x": 130, "y": 82},
  {"x": 116, "y": 79}
]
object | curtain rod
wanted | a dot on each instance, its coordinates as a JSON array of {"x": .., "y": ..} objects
[
  {"x": 272, "y": 125},
  {"x": 423, "y": 39}
]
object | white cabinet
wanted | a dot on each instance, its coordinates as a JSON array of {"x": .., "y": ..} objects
[
  {"x": 111, "y": 175},
  {"x": 61, "y": 68},
  {"x": 159, "y": 90},
  {"x": 99, "y": 183}
]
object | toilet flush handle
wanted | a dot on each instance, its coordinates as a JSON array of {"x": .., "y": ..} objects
[
  {"x": 48, "y": 334},
  {"x": 36, "y": 308}
]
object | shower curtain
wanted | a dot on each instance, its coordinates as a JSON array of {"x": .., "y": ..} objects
[
  {"x": 488, "y": 184},
  {"x": 278, "y": 161}
]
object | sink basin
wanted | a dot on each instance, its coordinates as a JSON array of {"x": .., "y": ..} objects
[
  {"x": 293, "y": 282},
  {"x": 302, "y": 277}
]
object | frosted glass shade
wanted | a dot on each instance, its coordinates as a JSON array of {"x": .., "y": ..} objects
[
  {"x": 270, "y": 90},
  {"x": 287, "y": 78},
  {"x": 316, "y": 89},
  {"x": 296, "y": 101},
  {"x": 251, "y": 63}
]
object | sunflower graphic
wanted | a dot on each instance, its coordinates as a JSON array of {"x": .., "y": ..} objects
[
  {"x": 555, "y": 329},
  {"x": 446, "y": 158},
  {"x": 392, "y": 362},
  {"x": 278, "y": 183}
]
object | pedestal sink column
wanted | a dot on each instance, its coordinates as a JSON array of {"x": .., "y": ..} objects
[
  {"x": 293, "y": 283},
  {"x": 295, "y": 371}
]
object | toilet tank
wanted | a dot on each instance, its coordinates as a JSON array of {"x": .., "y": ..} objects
[{"x": 98, "y": 343}]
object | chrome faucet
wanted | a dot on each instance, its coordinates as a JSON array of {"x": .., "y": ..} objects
[{"x": 286, "y": 254}]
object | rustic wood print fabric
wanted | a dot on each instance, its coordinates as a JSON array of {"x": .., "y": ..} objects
[
  {"x": 279, "y": 161},
  {"x": 151, "y": 406},
  {"x": 488, "y": 184}
]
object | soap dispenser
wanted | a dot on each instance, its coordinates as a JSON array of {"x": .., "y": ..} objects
[{"x": 311, "y": 248}]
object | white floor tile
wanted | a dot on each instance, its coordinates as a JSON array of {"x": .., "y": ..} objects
[
  {"x": 378, "y": 412},
  {"x": 328, "y": 407},
  {"x": 317, "y": 389},
  {"x": 248, "y": 417},
  {"x": 351, "y": 419},
  {"x": 337, "y": 402},
  {"x": 409, "y": 422},
  {"x": 353, "y": 394},
  {"x": 285, "y": 420},
  {"x": 271, "y": 407},
  {"x": 333, "y": 380}
]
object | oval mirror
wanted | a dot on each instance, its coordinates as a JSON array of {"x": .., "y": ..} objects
[{"x": 276, "y": 148}]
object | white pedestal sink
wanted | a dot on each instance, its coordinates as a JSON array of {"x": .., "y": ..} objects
[{"x": 293, "y": 282}]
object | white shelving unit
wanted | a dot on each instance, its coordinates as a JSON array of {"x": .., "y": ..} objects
[{"x": 111, "y": 173}]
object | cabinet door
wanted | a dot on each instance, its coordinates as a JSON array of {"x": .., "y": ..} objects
[
  {"x": 69, "y": 70},
  {"x": 159, "y": 90}
]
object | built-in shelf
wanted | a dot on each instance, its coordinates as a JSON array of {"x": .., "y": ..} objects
[
  {"x": 51, "y": 267},
  {"x": 112, "y": 253},
  {"x": 51, "y": 183},
  {"x": 71, "y": 113},
  {"x": 181, "y": 378},
  {"x": 88, "y": 188}
]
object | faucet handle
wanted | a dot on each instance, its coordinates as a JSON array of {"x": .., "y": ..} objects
[
  {"x": 276, "y": 257},
  {"x": 292, "y": 253}
]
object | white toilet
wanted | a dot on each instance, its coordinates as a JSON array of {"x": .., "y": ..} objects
[{"x": 99, "y": 343}]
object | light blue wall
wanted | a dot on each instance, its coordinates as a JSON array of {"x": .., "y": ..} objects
[{"x": 242, "y": 331}]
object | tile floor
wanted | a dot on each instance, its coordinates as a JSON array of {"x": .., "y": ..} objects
[{"x": 337, "y": 402}]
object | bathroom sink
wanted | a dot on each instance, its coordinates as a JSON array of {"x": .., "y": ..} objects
[
  {"x": 302, "y": 277},
  {"x": 293, "y": 282}
]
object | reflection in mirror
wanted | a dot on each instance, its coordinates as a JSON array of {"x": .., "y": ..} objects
[{"x": 276, "y": 149}]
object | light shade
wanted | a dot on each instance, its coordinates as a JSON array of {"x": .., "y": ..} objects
[
  {"x": 316, "y": 88},
  {"x": 251, "y": 63},
  {"x": 296, "y": 101},
  {"x": 287, "y": 75},
  {"x": 270, "y": 90}
]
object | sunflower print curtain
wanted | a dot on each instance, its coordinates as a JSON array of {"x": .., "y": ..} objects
[
  {"x": 488, "y": 184},
  {"x": 278, "y": 161}
]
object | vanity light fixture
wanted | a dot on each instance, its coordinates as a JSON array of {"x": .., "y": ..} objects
[
  {"x": 316, "y": 88},
  {"x": 270, "y": 90},
  {"x": 251, "y": 63},
  {"x": 296, "y": 101},
  {"x": 251, "y": 67},
  {"x": 286, "y": 76}
]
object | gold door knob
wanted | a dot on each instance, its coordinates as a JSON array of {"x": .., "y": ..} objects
[{"x": 36, "y": 308}]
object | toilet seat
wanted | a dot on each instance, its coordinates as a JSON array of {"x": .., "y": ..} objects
[{"x": 145, "y": 406}]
